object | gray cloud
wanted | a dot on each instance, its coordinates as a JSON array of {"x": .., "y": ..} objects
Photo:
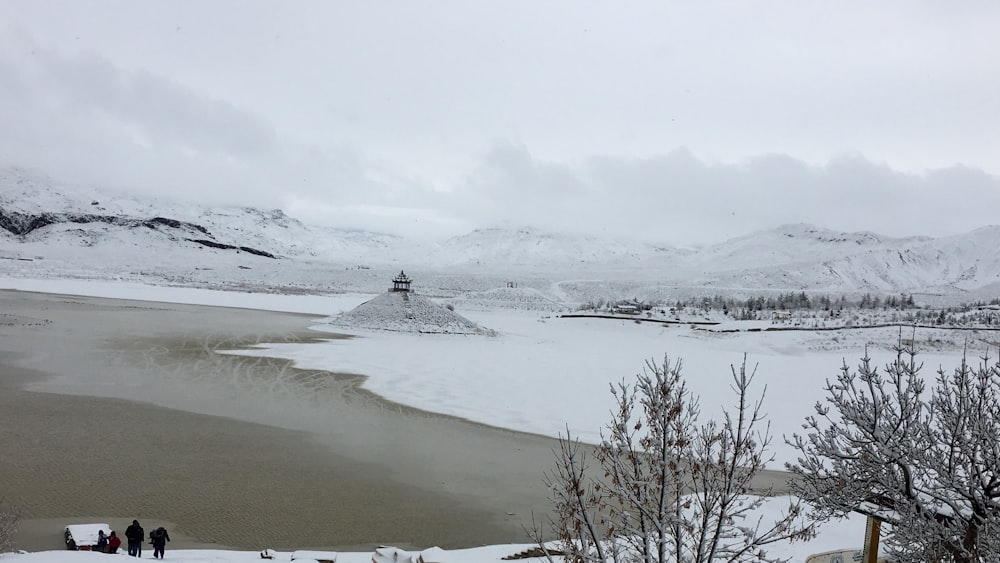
[
  {"x": 85, "y": 118},
  {"x": 679, "y": 198},
  {"x": 677, "y": 122}
]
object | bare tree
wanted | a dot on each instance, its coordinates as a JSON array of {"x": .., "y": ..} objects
[
  {"x": 928, "y": 462},
  {"x": 670, "y": 489},
  {"x": 10, "y": 517}
]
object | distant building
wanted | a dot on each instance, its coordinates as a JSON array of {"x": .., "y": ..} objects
[
  {"x": 628, "y": 307},
  {"x": 401, "y": 283}
]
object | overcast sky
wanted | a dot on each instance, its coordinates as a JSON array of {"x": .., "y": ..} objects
[{"x": 675, "y": 122}]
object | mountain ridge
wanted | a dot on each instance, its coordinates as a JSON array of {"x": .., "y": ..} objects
[{"x": 92, "y": 230}]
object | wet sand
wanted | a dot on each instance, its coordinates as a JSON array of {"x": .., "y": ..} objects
[
  {"x": 331, "y": 466},
  {"x": 125, "y": 409}
]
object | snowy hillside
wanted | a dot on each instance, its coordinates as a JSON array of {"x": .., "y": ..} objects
[
  {"x": 508, "y": 298},
  {"x": 824, "y": 261},
  {"x": 790, "y": 244},
  {"x": 533, "y": 249},
  {"x": 43, "y": 214},
  {"x": 48, "y": 229}
]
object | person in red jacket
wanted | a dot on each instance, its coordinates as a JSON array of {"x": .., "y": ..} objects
[{"x": 114, "y": 542}]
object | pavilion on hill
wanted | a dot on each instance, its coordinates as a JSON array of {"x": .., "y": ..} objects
[{"x": 401, "y": 283}]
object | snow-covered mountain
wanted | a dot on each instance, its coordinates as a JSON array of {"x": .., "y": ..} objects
[
  {"x": 791, "y": 244},
  {"x": 40, "y": 212},
  {"x": 531, "y": 248},
  {"x": 808, "y": 258},
  {"x": 84, "y": 232}
]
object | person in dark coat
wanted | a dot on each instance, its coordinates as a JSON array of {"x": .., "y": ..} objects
[
  {"x": 114, "y": 542},
  {"x": 135, "y": 534},
  {"x": 159, "y": 538},
  {"x": 102, "y": 541}
]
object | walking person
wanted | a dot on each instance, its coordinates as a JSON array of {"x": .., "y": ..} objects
[
  {"x": 159, "y": 538},
  {"x": 114, "y": 542},
  {"x": 135, "y": 534}
]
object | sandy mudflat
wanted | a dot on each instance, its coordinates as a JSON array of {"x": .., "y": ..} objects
[{"x": 296, "y": 459}]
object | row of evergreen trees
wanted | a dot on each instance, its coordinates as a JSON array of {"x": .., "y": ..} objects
[
  {"x": 798, "y": 302},
  {"x": 902, "y": 308}
]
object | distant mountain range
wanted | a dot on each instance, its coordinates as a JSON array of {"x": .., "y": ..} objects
[{"x": 89, "y": 233}]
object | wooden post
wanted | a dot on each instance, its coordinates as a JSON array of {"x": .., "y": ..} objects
[{"x": 870, "y": 553}]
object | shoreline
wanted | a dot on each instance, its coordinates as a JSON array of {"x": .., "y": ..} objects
[
  {"x": 309, "y": 460},
  {"x": 319, "y": 467}
]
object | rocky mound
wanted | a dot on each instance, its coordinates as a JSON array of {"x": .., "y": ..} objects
[{"x": 407, "y": 312}]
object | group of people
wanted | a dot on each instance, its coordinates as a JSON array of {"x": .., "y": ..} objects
[
  {"x": 108, "y": 544},
  {"x": 134, "y": 534}
]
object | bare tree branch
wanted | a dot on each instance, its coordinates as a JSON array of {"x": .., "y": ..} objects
[
  {"x": 671, "y": 489},
  {"x": 928, "y": 462}
]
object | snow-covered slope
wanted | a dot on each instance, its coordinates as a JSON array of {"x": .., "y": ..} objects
[
  {"x": 824, "y": 261},
  {"x": 71, "y": 231},
  {"x": 508, "y": 298},
  {"x": 532, "y": 249},
  {"x": 43, "y": 213},
  {"x": 791, "y": 244}
]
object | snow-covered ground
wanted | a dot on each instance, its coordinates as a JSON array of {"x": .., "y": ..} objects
[
  {"x": 543, "y": 373},
  {"x": 841, "y": 535},
  {"x": 834, "y": 537}
]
